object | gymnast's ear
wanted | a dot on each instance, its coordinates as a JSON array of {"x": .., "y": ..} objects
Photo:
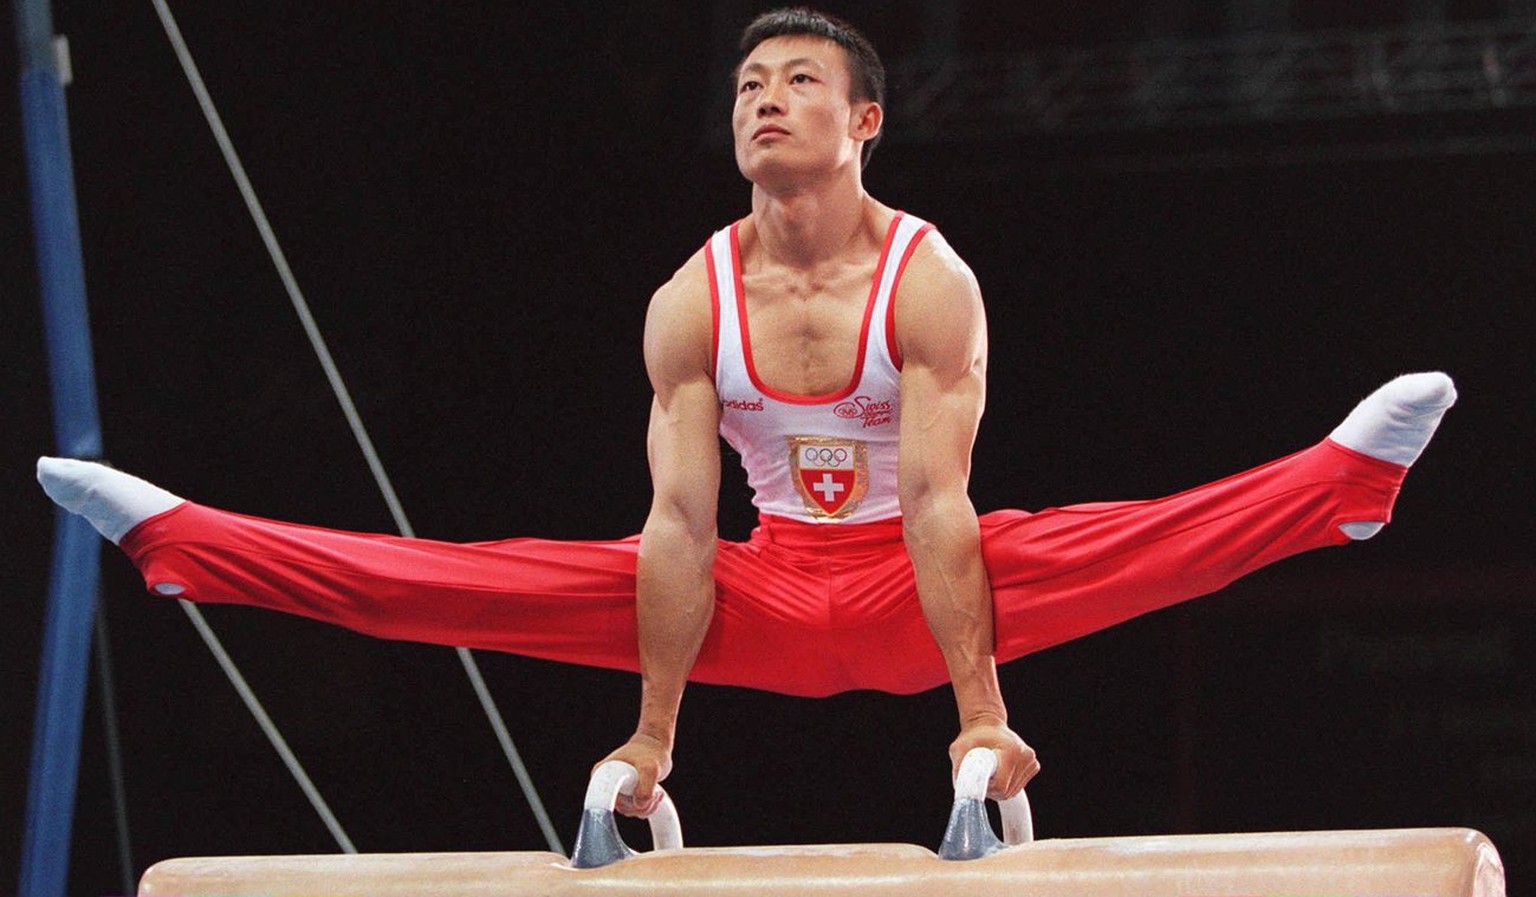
[{"x": 866, "y": 120}]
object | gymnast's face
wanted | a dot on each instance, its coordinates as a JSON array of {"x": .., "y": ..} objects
[{"x": 794, "y": 119}]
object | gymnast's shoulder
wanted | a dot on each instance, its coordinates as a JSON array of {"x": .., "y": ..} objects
[{"x": 680, "y": 318}]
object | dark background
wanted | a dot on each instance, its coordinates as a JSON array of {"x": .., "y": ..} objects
[{"x": 478, "y": 200}]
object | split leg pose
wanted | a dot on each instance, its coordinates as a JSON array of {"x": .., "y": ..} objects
[{"x": 799, "y": 609}]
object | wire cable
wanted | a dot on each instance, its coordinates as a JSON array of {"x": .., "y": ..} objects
[
  {"x": 252, "y": 704},
  {"x": 343, "y": 396},
  {"x": 114, "y": 741},
  {"x": 504, "y": 738}
]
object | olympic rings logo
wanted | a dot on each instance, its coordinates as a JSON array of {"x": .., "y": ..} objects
[
  {"x": 847, "y": 410},
  {"x": 824, "y": 456}
]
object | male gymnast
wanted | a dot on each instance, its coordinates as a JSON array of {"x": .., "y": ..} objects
[{"x": 839, "y": 346}]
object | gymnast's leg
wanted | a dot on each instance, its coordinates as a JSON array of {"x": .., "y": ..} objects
[
  {"x": 1067, "y": 572},
  {"x": 569, "y": 601}
]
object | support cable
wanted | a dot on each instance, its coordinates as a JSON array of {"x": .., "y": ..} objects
[
  {"x": 343, "y": 396},
  {"x": 267, "y": 726},
  {"x": 114, "y": 741}
]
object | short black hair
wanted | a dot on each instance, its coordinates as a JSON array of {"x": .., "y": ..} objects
[{"x": 866, "y": 71}]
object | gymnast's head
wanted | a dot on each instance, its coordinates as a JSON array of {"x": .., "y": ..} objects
[{"x": 811, "y": 73}]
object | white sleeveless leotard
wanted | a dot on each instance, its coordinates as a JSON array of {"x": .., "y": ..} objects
[{"x": 820, "y": 459}]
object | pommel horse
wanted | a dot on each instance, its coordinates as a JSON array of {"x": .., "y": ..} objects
[{"x": 971, "y": 861}]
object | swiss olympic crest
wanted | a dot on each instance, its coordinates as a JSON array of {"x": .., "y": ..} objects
[{"x": 832, "y": 475}]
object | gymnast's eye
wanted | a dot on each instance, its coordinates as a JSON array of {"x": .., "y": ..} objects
[{"x": 747, "y": 85}]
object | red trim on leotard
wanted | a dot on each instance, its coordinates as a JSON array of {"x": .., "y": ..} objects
[
  {"x": 891, "y": 348},
  {"x": 869, "y": 311},
  {"x": 714, "y": 311}
]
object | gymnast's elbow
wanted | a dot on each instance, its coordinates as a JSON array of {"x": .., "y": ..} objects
[
  {"x": 679, "y": 530},
  {"x": 932, "y": 513}
]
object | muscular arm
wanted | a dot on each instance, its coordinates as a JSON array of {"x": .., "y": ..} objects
[
  {"x": 941, "y": 332},
  {"x": 675, "y": 582}
]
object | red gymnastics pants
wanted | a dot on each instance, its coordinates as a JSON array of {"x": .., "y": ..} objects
[{"x": 800, "y": 609}]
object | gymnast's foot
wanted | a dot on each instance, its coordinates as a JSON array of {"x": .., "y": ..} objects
[
  {"x": 1394, "y": 424},
  {"x": 114, "y": 502}
]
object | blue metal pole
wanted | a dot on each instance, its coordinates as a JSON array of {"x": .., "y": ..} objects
[{"x": 77, "y": 431}]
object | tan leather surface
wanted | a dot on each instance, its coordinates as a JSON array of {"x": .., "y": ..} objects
[{"x": 1421, "y": 862}]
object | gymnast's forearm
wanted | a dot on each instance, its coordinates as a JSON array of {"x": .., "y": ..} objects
[
  {"x": 675, "y": 600},
  {"x": 943, "y": 540}
]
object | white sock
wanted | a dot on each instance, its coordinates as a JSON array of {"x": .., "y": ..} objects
[
  {"x": 1394, "y": 424},
  {"x": 114, "y": 502}
]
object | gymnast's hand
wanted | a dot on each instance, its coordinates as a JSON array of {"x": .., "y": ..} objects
[
  {"x": 653, "y": 760},
  {"x": 1016, "y": 763}
]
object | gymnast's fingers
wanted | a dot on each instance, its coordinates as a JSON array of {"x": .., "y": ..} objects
[{"x": 1014, "y": 770}]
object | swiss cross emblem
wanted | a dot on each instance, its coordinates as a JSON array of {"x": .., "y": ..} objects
[{"x": 831, "y": 475}]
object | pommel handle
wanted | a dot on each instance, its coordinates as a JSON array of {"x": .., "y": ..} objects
[
  {"x": 597, "y": 841},
  {"x": 969, "y": 835}
]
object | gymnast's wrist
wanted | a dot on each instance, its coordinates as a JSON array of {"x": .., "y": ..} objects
[
  {"x": 979, "y": 697},
  {"x": 653, "y": 735}
]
